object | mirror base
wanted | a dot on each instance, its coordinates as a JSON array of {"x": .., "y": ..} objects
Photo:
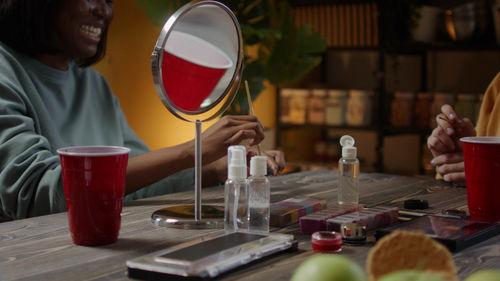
[{"x": 183, "y": 217}]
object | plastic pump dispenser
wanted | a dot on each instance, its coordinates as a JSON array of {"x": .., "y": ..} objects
[
  {"x": 348, "y": 192},
  {"x": 258, "y": 195},
  {"x": 235, "y": 189},
  {"x": 237, "y": 162}
]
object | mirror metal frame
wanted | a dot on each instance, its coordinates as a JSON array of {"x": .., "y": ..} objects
[{"x": 157, "y": 57}]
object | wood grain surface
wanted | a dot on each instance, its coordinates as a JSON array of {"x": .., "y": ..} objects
[{"x": 40, "y": 248}]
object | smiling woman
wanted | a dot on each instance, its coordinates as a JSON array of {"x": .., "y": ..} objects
[
  {"x": 50, "y": 99},
  {"x": 79, "y": 34}
]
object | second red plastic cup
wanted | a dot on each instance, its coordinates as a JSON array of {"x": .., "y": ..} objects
[{"x": 482, "y": 170}]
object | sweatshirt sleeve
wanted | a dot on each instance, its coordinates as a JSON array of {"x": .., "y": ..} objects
[
  {"x": 178, "y": 182},
  {"x": 30, "y": 174},
  {"x": 488, "y": 123}
]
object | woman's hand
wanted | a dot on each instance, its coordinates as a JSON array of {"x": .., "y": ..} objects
[
  {"x": 230, "y": 130},
  {"x": 275, "y": 159}
]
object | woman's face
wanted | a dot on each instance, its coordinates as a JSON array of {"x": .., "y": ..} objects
[{"x": 80, "y": 26}]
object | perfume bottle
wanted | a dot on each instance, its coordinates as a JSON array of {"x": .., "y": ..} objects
[
  {"x": 259, "y": 195},
  {"x": 348, "y": 192}
]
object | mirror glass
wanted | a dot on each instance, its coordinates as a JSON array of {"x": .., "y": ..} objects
[{"x": 198, "y": 59}]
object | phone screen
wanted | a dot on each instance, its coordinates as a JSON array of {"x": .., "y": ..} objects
[{"x": 207, "y": 248}]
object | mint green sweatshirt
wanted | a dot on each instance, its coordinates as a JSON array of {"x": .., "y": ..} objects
[{"x": 43, "y": 109}]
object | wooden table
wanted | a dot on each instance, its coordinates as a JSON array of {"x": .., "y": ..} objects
[{"x": 41, "y": 249}]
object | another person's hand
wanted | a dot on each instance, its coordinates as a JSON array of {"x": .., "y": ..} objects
[
  {"x": 451, "y": 167},
  {"x": 444, "y": 143},
  {"x": 445, "y": 138},
  {"x": 230, "y": 130}
]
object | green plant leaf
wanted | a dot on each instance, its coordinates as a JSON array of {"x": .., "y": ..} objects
[{"x": 294, "y": 54}]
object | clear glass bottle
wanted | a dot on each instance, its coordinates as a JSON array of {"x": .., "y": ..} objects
[
  {"x": 348, "y": 190},
  {"x": 259, "y": 195},
  {"x": 236, "y": 190}
]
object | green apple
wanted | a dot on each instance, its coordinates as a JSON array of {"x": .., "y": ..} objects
[
  {"x": 328, "y": 267},
  {"x": 484, "y": 275},
  {"x": 409, "y": 275}
]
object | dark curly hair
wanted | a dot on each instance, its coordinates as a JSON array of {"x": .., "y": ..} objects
[{"x": 25, "y": 27}]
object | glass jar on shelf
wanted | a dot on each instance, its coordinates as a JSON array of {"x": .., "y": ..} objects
[
  {"x": 285, "y": 95},
  {"x": 359, "y": 108},
  {"x": 316, "y": 107},
  {"x": 422, "y": 110},
  {"x": 297, "y": 107},
  {"x": 402, "y": 109},
  {"x": 336, "y": 107}
]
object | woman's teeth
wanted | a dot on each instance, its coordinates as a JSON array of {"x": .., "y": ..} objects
[{"x": 92, "y": 31}]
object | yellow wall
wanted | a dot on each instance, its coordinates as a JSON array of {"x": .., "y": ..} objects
[{"x": 128, "y": 69}]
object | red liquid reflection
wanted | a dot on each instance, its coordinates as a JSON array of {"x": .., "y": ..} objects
[{"x": 188, "y": 84}]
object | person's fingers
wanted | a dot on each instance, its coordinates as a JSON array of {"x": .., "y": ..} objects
[
  {"x": 240, "y": 136},
  {"x": 275, "y": 161},
  {"x": 240, "y": 129},
  {"x": 457, "y": 178},
  {"x": 439, "y": 143},
  {"x": 449, "y": 113},
  {"x": 445, "y": 124},
  {"x": 451, "y": 168},
  {"x": 466, "y": 128},
  {"x": 448, "y": 158}
]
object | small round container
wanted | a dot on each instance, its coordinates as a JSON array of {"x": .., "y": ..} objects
[
  {"x": 326, "y": 241},
  {"x": 353, "y": 233}
]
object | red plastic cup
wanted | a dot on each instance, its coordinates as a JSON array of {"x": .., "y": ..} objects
[
  {"x": 94, "y": 185},
  {"x": 482, "y": 177},
  {"x": 191, "y": 68}
]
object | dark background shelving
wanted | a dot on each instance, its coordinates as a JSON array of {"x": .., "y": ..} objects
[{"x": 395, "y": 42}]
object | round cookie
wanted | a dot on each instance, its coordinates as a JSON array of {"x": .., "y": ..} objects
[{"x": 409, "y": 250}]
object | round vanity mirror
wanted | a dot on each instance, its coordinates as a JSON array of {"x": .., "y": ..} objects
[{"x": 197, "y": 65}]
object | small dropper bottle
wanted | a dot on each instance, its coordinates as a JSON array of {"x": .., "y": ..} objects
[
  {"x": 235, "y": 190},
  {"x": 348, "y": 190},
  {"x": 258, "y": 195}
]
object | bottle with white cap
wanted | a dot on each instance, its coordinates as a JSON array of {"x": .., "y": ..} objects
[
  {"x": 235, "y": 190},
  {"x": 348, "y": 192},
  {"x": 258, "y": 195}
]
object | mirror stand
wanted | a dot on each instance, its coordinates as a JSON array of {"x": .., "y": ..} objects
[
  {"x": 195, "y": 216},
  {"x": 197, "y": 64}
]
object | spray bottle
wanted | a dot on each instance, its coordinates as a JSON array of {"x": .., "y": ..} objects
[
  {"x": 348, "y": 192},
  {"x": 235, "y": 189},
  {"x": 258, "y": 195}
]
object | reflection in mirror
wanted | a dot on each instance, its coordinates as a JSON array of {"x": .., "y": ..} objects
[{"x": 199, "y": 66}]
